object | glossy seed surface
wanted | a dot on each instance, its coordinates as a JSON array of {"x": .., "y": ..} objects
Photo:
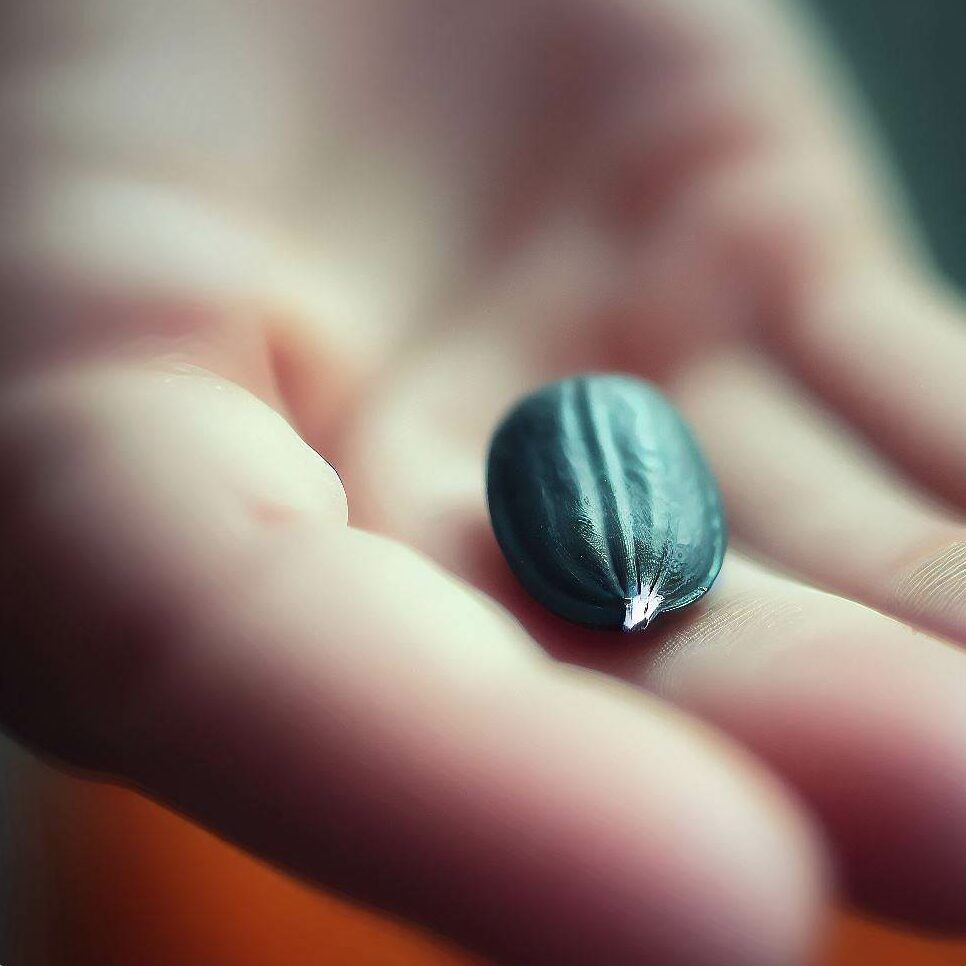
[{"x": 602, "y": 502}]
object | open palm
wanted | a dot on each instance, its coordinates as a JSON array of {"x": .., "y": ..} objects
[{"x": 241, "y": 234}]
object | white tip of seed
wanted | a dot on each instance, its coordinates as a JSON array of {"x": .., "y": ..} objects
[{"x": 640, "y": 610}]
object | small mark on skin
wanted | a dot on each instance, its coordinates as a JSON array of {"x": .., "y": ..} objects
[
  {"x": 722, "y": 627},
  {"x": 274, "y": 514},
  {"x": 935, "y": 588}
]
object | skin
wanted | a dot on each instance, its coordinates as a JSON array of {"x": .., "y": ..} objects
[{"x": 236, "y": 236}]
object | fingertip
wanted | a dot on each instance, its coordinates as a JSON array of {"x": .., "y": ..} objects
[
  {"x": 699, "y": 856},
  {"x": 764, "y": 868},
  {"x": 865, "y": 717}
]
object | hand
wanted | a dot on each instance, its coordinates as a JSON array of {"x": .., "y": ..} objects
[{"x": 368, "y": 226}]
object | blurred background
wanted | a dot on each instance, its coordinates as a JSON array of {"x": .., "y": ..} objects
[{"x": 95, "y": 876}]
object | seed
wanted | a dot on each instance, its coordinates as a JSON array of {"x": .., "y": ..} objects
[{"x": 602, "y": 502}]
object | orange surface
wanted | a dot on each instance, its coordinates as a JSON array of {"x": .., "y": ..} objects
[{"x": 139, "y": 885}]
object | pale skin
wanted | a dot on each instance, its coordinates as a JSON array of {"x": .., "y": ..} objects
[{"x": 238, "y": 235}]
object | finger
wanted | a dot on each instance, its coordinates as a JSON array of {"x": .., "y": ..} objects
[
  {"x": 807, "y": 494},
  {"x": 860, "y": 714},
  {"x": 890, "y": 352},
  {"x": 780, "y": 203},
  {"x": 809, "y": 689},
  {"x": 198, "y": 620}
]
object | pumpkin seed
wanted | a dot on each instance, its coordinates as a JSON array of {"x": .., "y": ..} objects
[{"x": 602, "y": 502}]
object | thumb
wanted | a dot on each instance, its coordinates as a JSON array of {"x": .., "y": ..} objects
[{"x": 184, "y": 609}]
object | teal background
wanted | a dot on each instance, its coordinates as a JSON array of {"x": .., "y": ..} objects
[{"x": 909, "y": 57}]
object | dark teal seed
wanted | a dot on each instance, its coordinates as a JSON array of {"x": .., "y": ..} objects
[{"x": 602, "y": 502}]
